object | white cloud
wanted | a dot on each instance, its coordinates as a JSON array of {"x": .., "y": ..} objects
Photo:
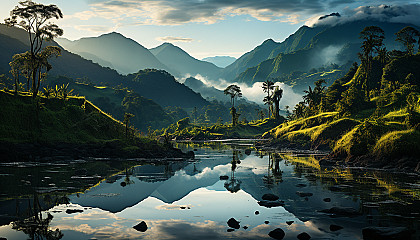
[
  {"x": 407, "y": 13},
  {"x": 94, "y": 28},
  {"x": 174, "y": 39}
]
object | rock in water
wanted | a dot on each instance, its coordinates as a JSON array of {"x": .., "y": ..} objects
[
  {"x": 70, "y": 211},
  {"x": 303, "y": 236},
  {"x": 372, "y": 233},
  {"x": 247, "y": 151},
  {"x": 233, "y": 223},
  {"x": 270, "y": 204},
  {"x": 304, "y": 194},
  {"x": 141, "y": 227},
  {"x": 270, "y": 197},
  {"x": 334, "y": 227},
  {"x": 289, "y": 222},
  {"x": 190, "y": 154},
  {"x": 327, "y": 199},
  {"x": 277, "y": 233},
  {"x": 342, "y": 211}
]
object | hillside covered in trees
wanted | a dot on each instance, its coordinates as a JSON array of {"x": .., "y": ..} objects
[{"x": 371, "y": 115}]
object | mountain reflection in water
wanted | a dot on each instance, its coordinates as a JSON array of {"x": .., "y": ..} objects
[{"x": 187, "y": 199}]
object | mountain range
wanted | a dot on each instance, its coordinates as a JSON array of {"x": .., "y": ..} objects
[
  {"x": 176, "y": 58},
  {"x": 220, "y": 61},
  {"x": 115, "y": 51},
  {"x": 307, "y": 48},
  {"x": 157, "y": 85}
]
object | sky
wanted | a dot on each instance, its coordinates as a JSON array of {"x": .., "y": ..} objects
[{"x": 203, "y": 28}]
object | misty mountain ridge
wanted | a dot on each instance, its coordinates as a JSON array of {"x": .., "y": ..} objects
[
  {"x": 157, "y": 85},
  {"x": 176, "y": 58},
  {"x": 124, "y": 54},
  {"x": 310, "y": 47},
  {"x": 220, "y": 61}
]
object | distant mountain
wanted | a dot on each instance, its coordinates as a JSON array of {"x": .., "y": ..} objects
[
  {"x": 15, "y": 40},
  {"x": 118, "y": 102},
  {"x": 220, "y": 61},
  {"x": 249, "y": 59},
  {"x": 124, "y": 54},
  {"x": 176, "y": 58},
  {"x": 163, "y": 89},
  {"x": 157, "y": 85},
  {"x": 308, "y": 48},
  {"x": 207, "y": 92}
]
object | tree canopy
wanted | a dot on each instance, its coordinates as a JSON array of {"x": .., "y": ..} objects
[{"x": 33, "y": 17}]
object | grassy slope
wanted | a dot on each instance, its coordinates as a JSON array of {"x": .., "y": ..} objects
[
  {"x": 78, "y": 125},
  {"x": 391, "y": 133},
  {"x": 53, "y": 120}
]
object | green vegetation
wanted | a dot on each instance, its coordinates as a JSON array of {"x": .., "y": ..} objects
[
  {"x": 73, "y": 121},
  {"x": 185, "y": 130},
  {"x": 33, "y": 17},
  {"x": 373, "y": 112}
]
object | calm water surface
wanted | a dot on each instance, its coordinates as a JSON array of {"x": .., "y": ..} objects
[{"x": 103, "y": 199}]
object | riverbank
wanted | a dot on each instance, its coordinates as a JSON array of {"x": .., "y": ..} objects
[
  {"x": 184, "y": 130},
  {"x": 387, "y": 142}
]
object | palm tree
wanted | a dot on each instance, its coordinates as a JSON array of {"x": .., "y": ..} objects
[
  {"x": 373, "y": 37},
  {"x": 313, "y": 97},
  {"x": 267, "y": 86},
  {"x": 277, "y": 95}
]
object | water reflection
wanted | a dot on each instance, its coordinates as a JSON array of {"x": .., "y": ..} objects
[
  {"x": 233, "y": 185},
  {"x": 187, "y": 200},
  {"x": 37, "y": 226}
]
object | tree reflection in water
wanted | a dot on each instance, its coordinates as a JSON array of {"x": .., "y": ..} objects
[
  {"x": 274, "y": 173},
  {"x": 37, "y": 226},
  {"x": 127, "y": 180},
  {"x": 233, "y": 185}
]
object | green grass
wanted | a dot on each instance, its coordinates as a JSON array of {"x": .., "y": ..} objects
[
  {"x": 399, "y": 143},
  {"x": 73, "y": 120}
]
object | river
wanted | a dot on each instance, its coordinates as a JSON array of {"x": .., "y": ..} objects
[{"x": 105, "y": 199}]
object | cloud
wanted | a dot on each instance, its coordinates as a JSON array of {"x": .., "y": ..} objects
[
  {"x": 406, "y": 13},
  {"x": 255, "y": 93},
  {"x": 174, "y": 39},
  {"x": 174, "y": 12},
  {"x": 94, "y": 28}
]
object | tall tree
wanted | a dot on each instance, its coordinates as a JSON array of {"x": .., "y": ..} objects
[
  {"x": 33, "y": 17},
  {"x": 277, "y": 95},
  {"x": 407, "y": 36},
  {"x": 313, "y": 97},
  {"x": 373, "y": 38},
  {"x": 233, "y": 91},
  {"x": 267, "y": 87}
]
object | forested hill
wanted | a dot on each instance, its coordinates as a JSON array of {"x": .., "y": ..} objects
[
  {"x": 370, "y": 116},
  {"x": 68, "y": 64},
  {"x": 307, "y": 48},
  {"x": 156, "y": 85}
]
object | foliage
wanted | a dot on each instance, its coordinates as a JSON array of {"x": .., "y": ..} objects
[
  {"x": 233, "y": 91},
  {"x": 374, "y": 110},
  {"x": 406, "y": 36},
  {"x": 33, "y": 17}
]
